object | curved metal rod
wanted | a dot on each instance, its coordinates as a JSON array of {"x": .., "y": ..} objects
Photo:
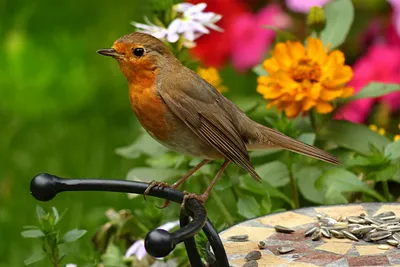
[
  {"x": 218, "y": 248},
  {"x": 190, "y": 243},
  {"x": 158, "y": 243}
]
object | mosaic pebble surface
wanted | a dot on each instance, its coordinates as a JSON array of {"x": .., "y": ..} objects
[{"x": 325, "y": 252}]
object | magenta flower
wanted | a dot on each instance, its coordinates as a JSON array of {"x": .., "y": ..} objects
[
  {"x": 396, "y": 14},
  {"x": 303, "y": 6},
  {"x": 250, "y": 40},
  {"x": 380, "y": 64}
]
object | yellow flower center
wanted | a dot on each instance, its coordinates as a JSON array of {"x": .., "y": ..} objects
[{"x": 306, "y": 69}]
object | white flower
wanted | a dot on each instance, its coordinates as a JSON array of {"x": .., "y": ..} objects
[
  {"x": 71, "y": 265},
  {"x": 138, "y": 248},
  {"x": 150, "y": 28},
  {"x": 192, "y": 23}
]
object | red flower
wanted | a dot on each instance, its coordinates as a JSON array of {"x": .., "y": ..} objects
[{"x": 214, "y": 49}]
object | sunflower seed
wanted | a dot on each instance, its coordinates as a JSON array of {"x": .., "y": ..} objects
[
  {"x": 380, "y": 235},
  {"x": 396, "y": 236},
  {"x": 310, "y": 231},
  {"x": 261, "y": 244},
  {"x": 394, "y": 228},
  {"x": 238, "y": 238},
  {"x": 328, "y": 221},
  {"x": 283, "y": 229},
  {"x": 388, "y": 218},
  {"x": 325, "y": 233},
  {"x": 252, "y": 263},
  {"x": 373, "y": 220},
  {"x": 367, "y": 237},
  {"x": 354, "y": 219},
  {"x": 385, "y": 214},
  {"x": 382, "y": 228},
  {"x": 340, "y": 225},
  {"x": 336, "y": 234},
  {"x": 362, "y": 230},
  {"x": 254, "y": 255},
  {"x": 383, "y": 247},
  {"x": 284, "y": 250},
  {"x": 321, "y": 215},
  {"x": 316, "y": 235},
  {"x": 349, "y": 235},
  {"x": 392, "y": 242}
]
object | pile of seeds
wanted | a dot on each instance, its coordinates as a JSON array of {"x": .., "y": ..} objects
[{"x": 384, "y": 227}]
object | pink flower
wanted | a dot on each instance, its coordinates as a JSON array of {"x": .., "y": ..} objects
[
  {"x": 396, "y": 14},
  {"x": 250, "y": 40},
  {"x": 303, "y": 6},
  {"x": 380, "y": 64}
]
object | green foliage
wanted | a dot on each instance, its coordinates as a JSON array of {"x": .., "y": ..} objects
[
  {"x": 63, "y": 110},
  {"x": 49, "y": 235},
  {"x": 375, "y": 89},
  {"x": 339, "y": 18},
  {"x": 352, "y": 136}
]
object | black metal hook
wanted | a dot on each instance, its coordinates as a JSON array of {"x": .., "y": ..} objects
[{"x": 158, "y": 243}]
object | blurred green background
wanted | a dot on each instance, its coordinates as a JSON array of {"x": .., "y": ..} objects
[{"x": 63, "y": 110}]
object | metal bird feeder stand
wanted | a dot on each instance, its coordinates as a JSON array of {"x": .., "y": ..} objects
[{"x": 158, "y": 243}]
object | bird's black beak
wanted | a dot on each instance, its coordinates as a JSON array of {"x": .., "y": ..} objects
[{"x": 111, "y": 52}]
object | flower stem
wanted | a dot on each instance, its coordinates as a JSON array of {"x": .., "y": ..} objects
[
  {"x": 313, "y": 120},
  {"x": 221, "y": 205},
  {"x": 386, "y": 191},
  {"x": 293, "y": 184}
]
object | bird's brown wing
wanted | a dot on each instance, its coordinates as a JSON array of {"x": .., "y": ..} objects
[{"x": 201, "y": 107}]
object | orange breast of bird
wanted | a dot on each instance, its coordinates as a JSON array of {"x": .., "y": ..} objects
[{"x": 149, "y": 108}]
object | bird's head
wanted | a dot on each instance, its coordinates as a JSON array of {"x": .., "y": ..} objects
[{"x": 137, "y": 53}]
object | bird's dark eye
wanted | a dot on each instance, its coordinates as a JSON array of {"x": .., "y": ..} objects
[{"x": 138, "y": 52}]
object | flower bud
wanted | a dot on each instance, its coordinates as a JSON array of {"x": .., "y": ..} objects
[{"x": 316, "y": 19}]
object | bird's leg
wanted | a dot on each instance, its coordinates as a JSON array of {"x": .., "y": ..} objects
[
  {"x": 203, "y": 197},
  {"x": 177, "y": 183}
]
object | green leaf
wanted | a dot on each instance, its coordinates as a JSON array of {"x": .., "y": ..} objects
[
  {"x": 392, "y": 150},
  {"x": 113, "y": 257},
  {"x": 337, "y": 181},
  {"x": 223, "y": 184},
  {"x": 35, "y": 257},
  {"x": 73, "y": 235},
  {"x": 165, "y": 160},
  {"x": 143, "y": 145},
  {"x": 56, "y": 215},
  {"x": 248, "y": 207},
  {"x": 275, "y": 172},
  {"x": 266, "y": 190},
  {"x": 385, "y": 174},
  {"x": 306, "y": 178},
  {"x": 259, "y": 70},
  {"x": 339, "y": 17},
  {"x": 353, "y": 136},
  {"x": 308, "y": 138},
  {"x": 375, "y": 89},
  {"x": 36, "y": 233},
  {"x": 151, "y": 174},
  {"x": 40, "y": 212}
]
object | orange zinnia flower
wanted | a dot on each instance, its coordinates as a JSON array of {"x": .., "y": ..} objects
[
  {"x": 302, "y": 78},
  {"x": 211, "y": 75}
]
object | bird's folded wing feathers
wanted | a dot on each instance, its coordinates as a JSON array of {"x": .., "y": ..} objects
[{"x": 198, "y": 105}]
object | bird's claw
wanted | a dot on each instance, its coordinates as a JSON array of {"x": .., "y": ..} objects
[
  {"x": 202, "y": 198},
  {"x": 153, "y": 184}
]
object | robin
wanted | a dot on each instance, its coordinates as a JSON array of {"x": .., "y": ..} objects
[{"x": 186, "y": 114}]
